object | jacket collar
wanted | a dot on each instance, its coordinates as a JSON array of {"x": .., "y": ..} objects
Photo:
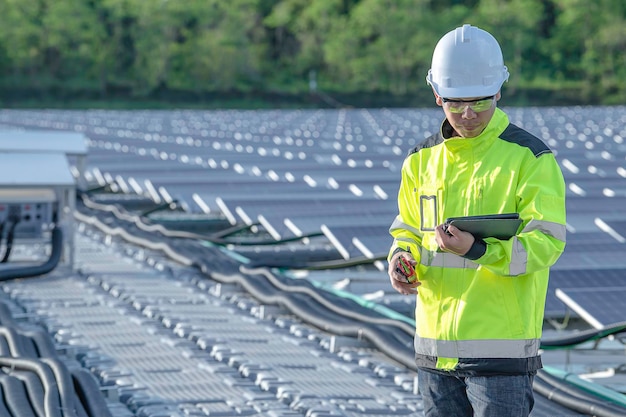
[{"x": 499, "y": 121}]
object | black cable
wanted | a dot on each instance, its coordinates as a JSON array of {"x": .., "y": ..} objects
[
  {"x": 41, "y": 342},
  {"x": 64, "y": 385},
  {"x": 44, "y": 268},
  {"x": 93, "y": 189},
  {"x": 573, "y": 397},
  {"x": 4, "y": 410},
  {"x": 216, "y": 238},
  {"x": 10, "y": 237},
  {"x": 172, "y": 205},
  {"x": 2, "y": 231},
  {"x": 342, "y": 306},
  {"x": 15, "y": 396},
  {"x": 233, "y": 230},
  {"x": 583, "y": 336},
  {"x": 41, "y": 384},
  {"x": 89, "y": 394},
  {"x": 393, "y": 338},
  {"x": 6, "y": 316},
  {"x": 319, "y": 265},
  {"x": 17, "y": 343},
  {"x": 266, "y": 242}
]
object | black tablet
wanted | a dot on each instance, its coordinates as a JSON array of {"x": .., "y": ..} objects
[{"x": 501, "y": 226}]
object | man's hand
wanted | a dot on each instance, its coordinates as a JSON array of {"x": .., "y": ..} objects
[
  {"x": 454, "y": 240},
  {"x": 399, "y": 281}
]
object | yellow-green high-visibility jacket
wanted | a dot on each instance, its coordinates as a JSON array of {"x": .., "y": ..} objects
[{"x": 481, "y": 313}]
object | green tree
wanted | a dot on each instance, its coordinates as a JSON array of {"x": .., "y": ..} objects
[
  {"x": 299, "y": 31},
  {"x": 22, "y": 35},
  {"x": 222, "y": 49},
  {"x": 589, "y": 44},
  {"x": 144, "y": 47},
  {"x": 75, "y": 42},
  {"x": 516, "y": 25},
  {"x": 197, "y": 45},
  {"x": 52, "y": 43},
  {"x": 385, "y": 45}
]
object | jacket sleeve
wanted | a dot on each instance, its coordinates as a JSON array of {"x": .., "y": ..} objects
[
  {"x": 405, "y": 227},
  {"x": 540, "y": 198}
]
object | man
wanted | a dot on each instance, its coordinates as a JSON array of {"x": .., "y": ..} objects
[{"x": 480, "y": 303}]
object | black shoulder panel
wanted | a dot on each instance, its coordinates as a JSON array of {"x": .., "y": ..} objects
[
  {"x": 429, "y": 142},
  {"x": 517, "y": 135}
]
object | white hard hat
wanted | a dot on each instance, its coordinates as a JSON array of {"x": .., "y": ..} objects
[{"x": 467, "y": 62}]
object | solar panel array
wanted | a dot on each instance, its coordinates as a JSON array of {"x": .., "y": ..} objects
[
  {"x": 161, "y": 339},
  {"x": 302, "y": 172}
]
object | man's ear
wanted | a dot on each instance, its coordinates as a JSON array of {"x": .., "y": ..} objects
[
  {"x": 498, "y": 95},
  {"x": 438, "y": 99}
]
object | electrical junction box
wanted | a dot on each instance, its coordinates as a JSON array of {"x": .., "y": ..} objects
[
  {"x": 31, "y": 210},
  {"x": 38, "y": 189}
]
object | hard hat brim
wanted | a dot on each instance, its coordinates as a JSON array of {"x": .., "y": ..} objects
[{"x": 467, "y": 91}]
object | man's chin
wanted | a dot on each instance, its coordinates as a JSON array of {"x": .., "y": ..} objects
[{"x": 470, "y": 132}]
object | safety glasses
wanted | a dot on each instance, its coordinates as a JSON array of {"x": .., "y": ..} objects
[{"x": 478, "y": 105}]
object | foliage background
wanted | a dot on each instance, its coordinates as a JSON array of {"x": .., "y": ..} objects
[{"x": 255, "y": 53}]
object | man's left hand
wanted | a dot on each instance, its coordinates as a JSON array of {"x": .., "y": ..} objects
[{"x": 455, "y": 240}]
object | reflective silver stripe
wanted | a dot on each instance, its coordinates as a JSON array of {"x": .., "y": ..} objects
[
  {"x": 445, "y": 260},
  {"x": 556, "y": 230},
  {"x": 519, "y": 255},
  {"x": 406, "y": 240},
  {"x": 519, "y": 258},
  {"x": 489, "y": 348},
  {"x": 399, "y": 224}
]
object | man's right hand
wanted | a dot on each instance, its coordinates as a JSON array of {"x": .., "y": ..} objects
[{"x": 399, "y": 281}]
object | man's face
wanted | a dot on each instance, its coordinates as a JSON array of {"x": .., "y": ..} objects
[{"x": 468, "y": 123}]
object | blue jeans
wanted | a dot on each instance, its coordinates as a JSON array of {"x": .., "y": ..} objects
[{"x": 475, "y": 396}]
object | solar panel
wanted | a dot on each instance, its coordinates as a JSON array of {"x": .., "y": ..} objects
[
  {"x": 313, "y": 203},
  {"x": 594, "y": 205},
  {"x": 600, "y": 307},
  {"x": 581, "y": 278},
  {"x": 615, "y": 228},
  {"x": 343, "y": 237},
  {"x": 302, "y": 224}
]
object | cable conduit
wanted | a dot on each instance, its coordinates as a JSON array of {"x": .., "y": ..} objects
[
  {"x": 88, "y": 392},
  {"x": 41, "y": 385},
  {"x": 583, "y": 388},
  {"x": 38, "y": 270},
  {"x": 217, "y": 238},
  {"x": 583, "y": 336},
  {"x": 33, "y": 383},
  {"x": 403, "y": 356},
  {"x": 313, "y": 293},
  {"x": 14, "y": 342},
  {"x": 41, "y": 342},
  {"x": 321, "y": 265},
  {"x": 119, "y": 231},
  {"x": 573, "y": 399},
  {"x": 64, "y": 385},
  {"x": 15, "y": 396},
  {"x": 312, "y": 314},
  {"x": 567, "y": 341},
  {"x": 381, "y": 309}
]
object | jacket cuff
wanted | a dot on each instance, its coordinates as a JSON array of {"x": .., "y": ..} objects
[
  {"x": 399, "y": 250},
  {"x": 478, "y": 249}
]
